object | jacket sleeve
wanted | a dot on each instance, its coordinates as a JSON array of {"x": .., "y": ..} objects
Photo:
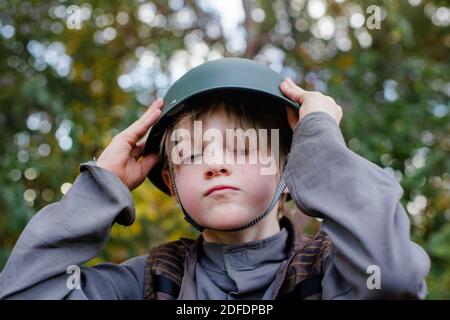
[
  {"x": 360, "y": 206},
  {"x": 46, "y": 260}
]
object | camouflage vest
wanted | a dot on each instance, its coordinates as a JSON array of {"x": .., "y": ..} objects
[{"x": 302, "y": 274}]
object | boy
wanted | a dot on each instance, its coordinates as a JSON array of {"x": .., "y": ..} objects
[{"x": 245, "y": 251}]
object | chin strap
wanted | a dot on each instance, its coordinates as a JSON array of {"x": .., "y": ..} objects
[{"x": 188, "y": 218}]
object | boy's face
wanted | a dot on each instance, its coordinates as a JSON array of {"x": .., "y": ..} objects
[{"x": 248, "y": 195}]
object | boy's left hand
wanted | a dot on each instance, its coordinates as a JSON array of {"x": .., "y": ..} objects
[{"x": 311, "y": 101}]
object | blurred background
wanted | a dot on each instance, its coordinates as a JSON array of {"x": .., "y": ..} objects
[{"x": 75, "y": 73}]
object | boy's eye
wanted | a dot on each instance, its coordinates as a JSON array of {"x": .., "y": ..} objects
[{"x": 191, "y": 158}]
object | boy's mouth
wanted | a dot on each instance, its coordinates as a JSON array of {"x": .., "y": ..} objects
[{"x": 219, "y": 187}]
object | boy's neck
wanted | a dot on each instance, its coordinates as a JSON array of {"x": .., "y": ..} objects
[{"x": 264, "y": 229}]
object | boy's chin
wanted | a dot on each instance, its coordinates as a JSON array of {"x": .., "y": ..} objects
[{"x": 226, "y": 220}]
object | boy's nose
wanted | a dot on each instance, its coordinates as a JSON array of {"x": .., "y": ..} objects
[{"x": 216, "y": 170}]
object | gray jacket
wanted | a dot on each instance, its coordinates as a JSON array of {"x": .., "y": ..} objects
[{"x": 358, "y": 201}]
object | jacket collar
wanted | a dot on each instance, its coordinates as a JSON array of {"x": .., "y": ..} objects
[{"x": 296, "y": 241}]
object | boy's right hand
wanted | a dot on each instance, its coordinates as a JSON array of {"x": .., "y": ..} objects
[{"x": 121, "y": 156}]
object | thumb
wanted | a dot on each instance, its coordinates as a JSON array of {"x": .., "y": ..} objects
[{"x": 149, "y": 161}]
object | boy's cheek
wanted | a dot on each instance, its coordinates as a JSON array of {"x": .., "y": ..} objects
[
  {"x": 259, "y": 185},
  {"x": 259, "y": 172},
  {"x": 188, "y": 183},
  {"x": 190, "y": 198}
]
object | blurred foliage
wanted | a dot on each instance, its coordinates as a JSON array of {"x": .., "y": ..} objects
[{"x": 67, "y": 89}]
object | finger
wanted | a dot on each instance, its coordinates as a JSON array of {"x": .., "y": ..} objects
[
  {"x": 139, "y": 148},
  {"x": 140, "y": 126},
  {"x": 291, "y": 83},
  {"x": 141, "y": 142},
  {"x": 293, "y": 91},
  {"x": 296, "y": 93},
  {"x": 137, "y": 151},
  {"x": 149, "y": 161},
  {"x": 154, "y": 108}
]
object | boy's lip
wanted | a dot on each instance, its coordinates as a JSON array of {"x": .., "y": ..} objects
[{"x": 219, "y": 187}]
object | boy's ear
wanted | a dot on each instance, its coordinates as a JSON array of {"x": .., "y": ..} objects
[
  {"x": 292, "y": 117},
  {"x": 168, "y": 181}
]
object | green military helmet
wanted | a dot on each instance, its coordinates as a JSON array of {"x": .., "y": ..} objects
[{"x": 220, "y": 74}]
